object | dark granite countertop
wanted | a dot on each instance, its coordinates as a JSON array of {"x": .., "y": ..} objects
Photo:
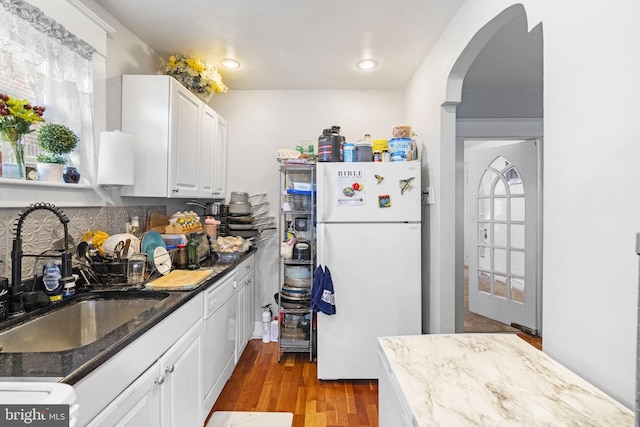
[{"x": 70, "y": 366}]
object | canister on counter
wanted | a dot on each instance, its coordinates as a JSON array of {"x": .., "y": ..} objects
[
  {"x": 377, "y": 156},
  {"x": 211, "y": 228},
  {"x": 181, "y": 255}
]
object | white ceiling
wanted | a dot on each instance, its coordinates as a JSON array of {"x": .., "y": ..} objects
[{"x": 310, "y": 44}]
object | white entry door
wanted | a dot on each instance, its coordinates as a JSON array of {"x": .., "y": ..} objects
[{"x": 503, "y": 186}]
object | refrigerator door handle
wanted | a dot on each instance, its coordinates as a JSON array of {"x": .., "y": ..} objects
[
  {"x": 323, "y": 193},
  {"x": 320, "y": 243}
]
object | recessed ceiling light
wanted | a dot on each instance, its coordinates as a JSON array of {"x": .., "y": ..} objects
[
  {"x": 367, "y": 64},
  {"x": 230, "y": 63}
]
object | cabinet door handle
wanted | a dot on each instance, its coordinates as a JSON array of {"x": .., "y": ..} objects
[
  {"x": 248, "y": 282},
  {"x": 160, "y": 380},
  {"x": 170, "y": 369},
  {"x": 175, "y": 190}
]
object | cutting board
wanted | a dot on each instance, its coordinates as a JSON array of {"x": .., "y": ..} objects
[{"x": 180, "y": 280}]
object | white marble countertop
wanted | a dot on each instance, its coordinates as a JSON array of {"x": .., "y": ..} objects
[{"x": 493, "y": 380}]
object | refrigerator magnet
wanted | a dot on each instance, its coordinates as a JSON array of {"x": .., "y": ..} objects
[
  {"x": 405, "y": 184},
  {"x": 384, "y": 201},
  {"x": 378, "y": 178}
]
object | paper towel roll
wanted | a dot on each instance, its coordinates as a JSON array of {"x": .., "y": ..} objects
[{"x": 115, "y": 159}]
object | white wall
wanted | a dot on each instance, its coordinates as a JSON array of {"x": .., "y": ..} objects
[
  {"x": 590, "y": 173},
  {"x": 261, "y": 122}
]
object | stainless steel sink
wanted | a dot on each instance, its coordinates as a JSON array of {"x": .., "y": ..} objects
[{"x": 74, "y": 325}]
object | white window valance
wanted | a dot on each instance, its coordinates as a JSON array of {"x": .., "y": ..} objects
[{"x": 49, "y": 26}]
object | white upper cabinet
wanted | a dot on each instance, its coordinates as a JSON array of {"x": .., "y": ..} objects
[
  {"x": 220, "y": 161},
  {"x": 209, "y": 137},
  {"x": 178, "y": 142}
]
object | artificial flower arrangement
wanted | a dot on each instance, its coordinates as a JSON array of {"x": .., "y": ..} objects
[
  {"x": 199, "y": 78},
  {"x": 16, "y": 119}
]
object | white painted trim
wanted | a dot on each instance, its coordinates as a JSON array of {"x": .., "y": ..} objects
[
  {"x": 17, "y": 193},
  {"x": 500, "y": 128},
  {"x": 91, "y": 15}
]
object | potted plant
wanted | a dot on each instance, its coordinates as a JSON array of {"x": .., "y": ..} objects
[{"x": 56, "y": 142}]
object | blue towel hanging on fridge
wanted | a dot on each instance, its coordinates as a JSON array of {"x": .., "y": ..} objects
[
  {"x": 322, "y": 294},
  {"x": 316, "y": 287}
]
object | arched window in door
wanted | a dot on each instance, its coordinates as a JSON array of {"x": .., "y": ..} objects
[{"x": 501, "y": 231}]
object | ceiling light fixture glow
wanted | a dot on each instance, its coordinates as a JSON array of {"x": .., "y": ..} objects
[
  {"x": 230, "y": 63},
  {"x": 366, "y": 64}
]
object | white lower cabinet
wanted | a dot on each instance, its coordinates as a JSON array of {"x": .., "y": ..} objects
[
  {"x": 181, "y": 368},
  {"x": 137, "y": 406},
  {"x": 166, "y": 394},
  {"x": 175, "y": 339},
  {"x": 220, "y": 329},
  {"x": 246, "y": 302}
]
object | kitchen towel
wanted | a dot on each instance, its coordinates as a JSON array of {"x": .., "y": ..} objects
[{"x": 322, "y": 293}]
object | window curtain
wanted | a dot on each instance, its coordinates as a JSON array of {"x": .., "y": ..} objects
[{"x": 41, "y": 61}]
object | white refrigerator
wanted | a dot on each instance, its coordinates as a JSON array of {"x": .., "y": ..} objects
[{"x": 369, "y": 237}]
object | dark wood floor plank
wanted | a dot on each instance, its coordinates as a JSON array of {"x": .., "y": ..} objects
[{"x": 262, "y": 384}]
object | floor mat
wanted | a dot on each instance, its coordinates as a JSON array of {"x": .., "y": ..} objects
[{"x": 250, "y": 419}]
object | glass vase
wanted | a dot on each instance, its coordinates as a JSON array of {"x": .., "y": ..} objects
[{"x": 17, "y": 145}]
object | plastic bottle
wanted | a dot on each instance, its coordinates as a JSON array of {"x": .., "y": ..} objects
[
  {"x": 51, "y": 281},
  {"x": 364, "y": 149},
  {"x": 4, "y": 298},
  {"x": 192, "y": 253},
  {"x": 266, "y": 324},
  {"x": 68, "y": 287},
  {"x": 274, "y": 329},
  {"x": 349, "y": 152}
]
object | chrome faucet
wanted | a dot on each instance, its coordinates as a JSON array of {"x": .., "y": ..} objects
[{"x": 15, "y": 294}]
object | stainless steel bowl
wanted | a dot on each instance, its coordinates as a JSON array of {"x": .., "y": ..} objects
[
  {"x": 240, "y": 208},
  {"x": 238, "y": 197}
]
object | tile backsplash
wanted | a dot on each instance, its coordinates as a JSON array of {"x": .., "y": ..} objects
[{"x": 42, "y": 230}]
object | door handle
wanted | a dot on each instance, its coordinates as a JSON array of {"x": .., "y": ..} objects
[
  {"x": 170, "y": 369},
  {"x": 160, "y": 380}
]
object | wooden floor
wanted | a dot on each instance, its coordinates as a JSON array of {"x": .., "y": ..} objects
[{"x": 262, "y": 384}]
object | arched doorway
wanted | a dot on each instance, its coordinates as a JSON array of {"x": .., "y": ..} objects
[{"x": 478, "y": 107}]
